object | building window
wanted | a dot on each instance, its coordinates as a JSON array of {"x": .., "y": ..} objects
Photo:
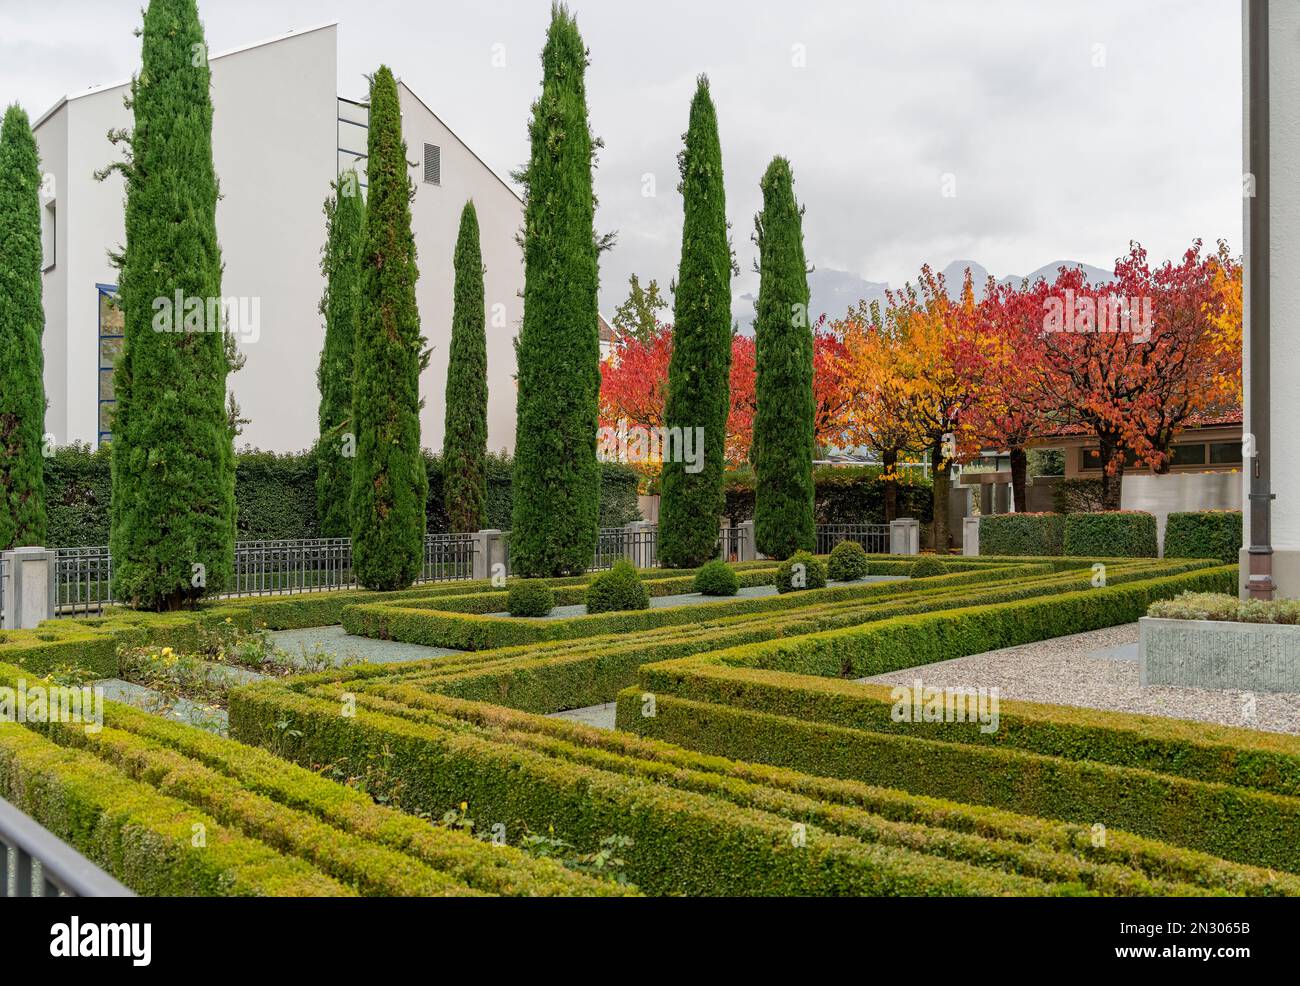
[
  {"x": 1187, "y": 455},
  {"x": 110, "y": 348},
  {"x": 1090, "y": 459},
  {"x": 1225, "y": 453},
  {"x": 48, "y": 216},
  {"x": 432, "y": 164}
]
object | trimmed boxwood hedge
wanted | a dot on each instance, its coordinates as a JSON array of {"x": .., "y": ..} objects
[
  {"x": 530, "y": 597},
  {"x": 810, "y": 572},
  {"x": 1111, "y": 533},
  {"x": 1204, "y": 534},
  {"x": 1022, "y": 534},
  {"x": 847, "y": 563},
  {"x": 617, "y": 590},
  {"x": 130, "y": 794},
  {"x": 717, "y": 578},
  {"x": 768, "y": 830}
]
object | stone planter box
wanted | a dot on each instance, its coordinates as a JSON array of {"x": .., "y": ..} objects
[{"x": 1259, "y": 657}]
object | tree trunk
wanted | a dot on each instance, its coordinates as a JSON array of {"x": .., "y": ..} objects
[
  {"x": 889, "y": 460},
  {"x": 1019, "y": 467},
  {"x": 1111, "y": 453},
  {"x": 941, "y": 474}
]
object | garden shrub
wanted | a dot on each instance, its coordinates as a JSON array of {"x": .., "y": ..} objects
[
  {"x": 842, "y": 495},
  {"x": 848, "y": 562},
  {"x": 1022, "y": 534},
  {"x": 927, "y": 568},
  {"x": 530, "y": 597},
  {"x": 1204, "y": 534},
  {"x": 1221, "y": 606},
  {"x": 620, "y": 588},
  {"x": 800, "y": 571},
  {"x": 1111, "y": 534},
  {"x": 716, "y": 578}
]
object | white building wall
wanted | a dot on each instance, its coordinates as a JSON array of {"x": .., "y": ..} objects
[
  {"x": 52, "y": 145},
  {"x": 435, "y": 216}
]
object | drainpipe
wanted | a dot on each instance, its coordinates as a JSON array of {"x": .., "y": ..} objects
[{"x": 1259, "y": 583}]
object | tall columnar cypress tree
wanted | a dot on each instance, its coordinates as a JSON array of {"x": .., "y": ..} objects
[
  {"x": 784, "y": 419},
  {"x": 464, "y": 444},
  {"x": 173, "y": 510},
  {"x": 556, "y": 476},
  {"x": 345, "y": 227},
  {"x": 22, "y": 321},
  {"x": 389, "y": 480},
  {"x": 699, "y": 373}
]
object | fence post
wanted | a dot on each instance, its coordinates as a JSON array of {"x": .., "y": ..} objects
[
  {"x": 31, "y": 592},
  {"x": 481, "y": 564},
  {"x": 970, "y": 536},
  {"x": 746, "y": 551},
  {"x": 905, "y": 536}
]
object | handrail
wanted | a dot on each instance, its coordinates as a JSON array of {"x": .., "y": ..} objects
[{"x": 63, "y": 869}]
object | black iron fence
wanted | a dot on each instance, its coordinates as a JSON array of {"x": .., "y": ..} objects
[
  {"x": 874, "y": 538},
  {"x": 36, "y": 863},
  {"x": 83, "y": 576}
]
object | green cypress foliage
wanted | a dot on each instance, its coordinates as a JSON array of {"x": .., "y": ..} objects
[
  {"x": 464, "y": 444},
  {"x": 556, "y": 475},
  {"x": 699, "y": 373},
  {"x": 22, "y": 321},
  {"x": 173, "y": 511},
  {"x": 389, "y": 481},
  {"x": 345, "y": 226},
  {"x": 784, "y": 419}
]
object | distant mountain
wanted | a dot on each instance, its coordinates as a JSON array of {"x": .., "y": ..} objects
[{"x": 834, "y": 292}]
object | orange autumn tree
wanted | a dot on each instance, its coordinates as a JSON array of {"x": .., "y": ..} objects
[{"x": 911, "y": 388}]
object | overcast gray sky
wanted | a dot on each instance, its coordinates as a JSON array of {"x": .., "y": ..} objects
[{"x": 1067, "y": 128}]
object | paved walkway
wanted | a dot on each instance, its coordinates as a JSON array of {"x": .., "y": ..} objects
[
  {"x": 1099, "y": 670},
  {"x": 601, "y": 716},
  {"x": 338, "y": 644}
]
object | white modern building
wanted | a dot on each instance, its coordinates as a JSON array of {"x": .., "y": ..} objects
[{"x": 281, "y": 133}]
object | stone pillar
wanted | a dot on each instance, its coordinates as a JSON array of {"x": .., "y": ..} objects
[
  {"x": 638, "y": 545},
  {"x": 970, "y": 536},
  {"x": 489, "y": 552},
  {"x": 29, "y": 594},
  {"x": 746, "y": 551},
  {"x": 905, "y": 536}
]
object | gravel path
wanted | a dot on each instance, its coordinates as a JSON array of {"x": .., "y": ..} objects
[
  {"x": 1100, "y": 670},
  {"x": 340, "y": 645}
]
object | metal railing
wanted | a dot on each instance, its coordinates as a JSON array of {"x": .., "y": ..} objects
[
  {"x": 448, "y": 557},
  {"x": 874, "y": 538},
  {"x": 82, "y": 580},
  {"x": 37, "y": 863},
  {"x": 300, "y": 565},
  {"x": 733, "y": 543}
]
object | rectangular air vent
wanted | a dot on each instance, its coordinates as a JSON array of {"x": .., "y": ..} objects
[{"x": 432, "y": 164}]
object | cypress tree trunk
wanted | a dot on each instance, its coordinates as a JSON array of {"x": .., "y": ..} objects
[
  {"x": 784, "y": 419},
  {"x": 345, "y": 219},
  {"x": 464, "y": 445},
  {"x": 556, "y": 477},
  {"x": 699, "y": 373},
  {"x": 389, "y": 481},
  {"x": 173, "y": 511},
  {"x": 22, "y": 322}
]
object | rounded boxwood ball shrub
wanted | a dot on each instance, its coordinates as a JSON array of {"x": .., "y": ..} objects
[
  {"x": 619, "y": 588},
  {"x": 801, "y": 570},
  {"x": 530, "y": 597},
  {"x": 848, "y": 562},
  {"x": 715, "y": 578},
  {"x": 928, "y": 568}
]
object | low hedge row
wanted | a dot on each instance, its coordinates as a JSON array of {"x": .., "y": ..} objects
[
  {"x": 766, "y": 830},
  {"x": 551, "y": 676},
  {"x": 1022, "y": 534},
  {"x": 1116, "y": 533},
  {"x": 468, "y": 631},
  {"x": 1204, "y": 534},
  {"x": 280, "y": 829}
]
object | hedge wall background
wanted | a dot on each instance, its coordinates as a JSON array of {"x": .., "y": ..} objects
[
  {"x": 843, "y": 495},
  {"x": 276, "y": 495}
]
